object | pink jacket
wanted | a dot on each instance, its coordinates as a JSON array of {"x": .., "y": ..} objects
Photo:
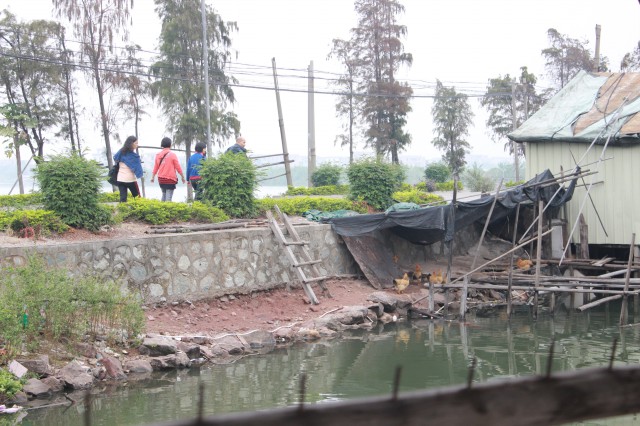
[{"x": 167, "y": 165}]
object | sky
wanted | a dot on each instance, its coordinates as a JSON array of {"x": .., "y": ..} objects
[{"x": 463, "y": 43}]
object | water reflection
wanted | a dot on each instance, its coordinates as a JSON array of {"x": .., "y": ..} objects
[{"x": 431, "y": 353}]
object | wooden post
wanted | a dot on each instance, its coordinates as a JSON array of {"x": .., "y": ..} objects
[
  {"x": 538, "y": 259},
  {"x": 584, "y": 238},
  {"x": 510, "y": 279},
  {"x": 624, "y": 309}
]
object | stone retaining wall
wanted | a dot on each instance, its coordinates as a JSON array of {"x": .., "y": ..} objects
[
  {"x": 196, "y": 265},
  {"x": 210, "y": 264}
]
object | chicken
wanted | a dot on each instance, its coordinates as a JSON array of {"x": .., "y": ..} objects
[
  {"x": 416, "y": 276},
  {"x": 401, "y": 283},
  {"x": 436, "y": 277},
  {"x": 524, "y": 264}
]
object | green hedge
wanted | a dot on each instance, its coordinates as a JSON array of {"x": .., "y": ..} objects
[
  {"x": 21, "y": 200},
  {"x": 42, "y": 221},
  {"x": 297, "y": 206},
  {"x": 418, "y": 197},
  {"x": 447, "y": 186},
  {"x": 157, "y": 212},
  {"x": 318, "y": 190}
]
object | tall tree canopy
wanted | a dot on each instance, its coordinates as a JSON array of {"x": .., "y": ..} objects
[
  {"x": 96, "y": 23},
  {"x": 378, "y": 54},
  {"x": 452, "y": 117},
  {"x": 566, "y": 56},
  {"x": 31, "y": 79},
  {"x": 631, "y": 61},
  {"x": 179, "y": 73},
  {"x": 502, "y": 95}
]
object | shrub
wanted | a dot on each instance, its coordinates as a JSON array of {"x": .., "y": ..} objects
[
  {"x": 426, "y": 186},
  {"x": 42, "y": 221},
  {"x": 447, "y": 186},
  {"x": 9, "y": 385},
  {"x": 157, "y": 212},
  {"x": 437, "y": 172},
  {"x": 20, "y": 200},
  {"x": 70, "y": 186},
  {"x": 476, "y": 179},
  {"x": 318, "y": 190},
  {"x": 229, "y": 182},
  {"x": 41, "y": 301},
  {"x": 326, "y": 174},
  {"x": 109, "y": 197},
  {"x": 511, "y": 183},
  {"x": 373, "y": 182},
  {"x": 297, "y": 206},
  {"x": 418, "y": 197}
]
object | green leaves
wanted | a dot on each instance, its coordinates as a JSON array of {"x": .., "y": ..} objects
[
  {"x": 326, "y": 174},
  {"x": 373, "y": 182},
  {"x": 159, "y": 213}
]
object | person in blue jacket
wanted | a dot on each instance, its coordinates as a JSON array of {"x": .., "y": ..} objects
[
  {"x": 130, "y": 169},
  {"x": 193, "y": 169}
]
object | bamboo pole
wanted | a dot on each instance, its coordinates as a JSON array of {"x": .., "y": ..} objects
[
  {"x": 513, "y": 243},
  {"x": 599, "y": 302},
  {"x": 624, "y": 309},
  {"x": 538, "y": 258}
]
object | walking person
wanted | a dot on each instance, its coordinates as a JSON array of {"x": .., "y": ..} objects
[
  {"x": 238, "y": 147},
  {"x": 166, "y": 166},
  {"x": 193, "y": 169},
  {"x": 130, "y": 169}
]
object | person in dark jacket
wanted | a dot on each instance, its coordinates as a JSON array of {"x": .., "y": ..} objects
[
  {"x": 193, "y": 169},
  {"x": 130, "y": 168},
  {"x": 238, "y": 147}
]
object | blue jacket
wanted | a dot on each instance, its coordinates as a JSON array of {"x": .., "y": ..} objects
[
  {"x": 236, "y": 149},
  {"x": 193, "y": 166},
  {"x": 132, "y": 160}
]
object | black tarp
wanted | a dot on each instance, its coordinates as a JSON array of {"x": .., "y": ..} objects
[{"x": 431, "y": 224}]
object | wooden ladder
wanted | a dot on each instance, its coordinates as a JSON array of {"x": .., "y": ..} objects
[{"x": 303, "y": 253}]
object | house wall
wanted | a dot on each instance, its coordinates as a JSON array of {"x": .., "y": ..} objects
[{"x": 614, "y": 192}]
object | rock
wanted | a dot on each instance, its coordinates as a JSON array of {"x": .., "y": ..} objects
[
  {"x": 191, "y": 349},
  {"x": 232, "y": 345},
  {"x": 86, "y": 350},
  {"x": 76, "y": 376},
  {"x": 157, "y": 346},
  {"x": 224, "y": 299},
  {"x": 179, "y": 360},
  {"x": 284, "y": 334},
  {"x": 39, "y": 365},
  {"x": 19, "y": 398},
  {"x": 390, "y": 301},
  {"x": 113, "y": 368},
  {"x": 36, "y": 388},
  {"x": 201, "y": 340},
  {"x": 17, "y": 369},
  {"x": 260, "y": 339},
  {"x": 54, "y": 383},
  {"x": 138, "y": 366},
  {"x": 232, "y": 297}
]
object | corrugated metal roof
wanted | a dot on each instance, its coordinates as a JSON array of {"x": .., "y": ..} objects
[{"x": 592, "y": 106}]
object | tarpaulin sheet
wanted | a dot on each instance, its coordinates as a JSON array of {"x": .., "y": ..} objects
[{"x": 431, "y": 224}]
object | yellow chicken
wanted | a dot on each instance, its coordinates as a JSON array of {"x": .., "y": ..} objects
[
  {"x": 401, "y": 283},
  {"x": 436, "y": 277},
  {"x": 524, "y": 264},
  {"x": 417, "y": 273}
]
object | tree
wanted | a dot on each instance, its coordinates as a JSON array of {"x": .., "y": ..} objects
[
  {"x": 379, "y": 54},
  {"x": 631, "y": 61},
  {"x": 452, "y": 117},
  {"x": 31, "y": 79},
  {"x": 179, "y": 81},
  {"x": 96, "y": 23},
  {"x": 348, "y": 103},
  {"x": 499, "y": 102},
  {"x": 566, "y": 56}
]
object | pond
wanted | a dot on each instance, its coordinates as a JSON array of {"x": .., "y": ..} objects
[{"x": 362, "y": 363}]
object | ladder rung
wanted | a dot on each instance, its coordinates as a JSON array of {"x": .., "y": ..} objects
[
  {"x": 311, "y": 280},
  {"x": 296, "y": 243},
  {"x": 311, "y": 262}
]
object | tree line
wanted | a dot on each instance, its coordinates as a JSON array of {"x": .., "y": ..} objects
[{"x": 40, "y": 80}]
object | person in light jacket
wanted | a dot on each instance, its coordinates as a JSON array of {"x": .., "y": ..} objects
[
  {"x": 130, "y": 169},
  {"x": 166, "y": 166}
]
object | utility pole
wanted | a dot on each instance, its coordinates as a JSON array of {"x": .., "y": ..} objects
[
  {"x": 205, "y": 65},
  {"x": 311, "y": 160},
  {"x": 283, "y": 136},
  {"x": 514, "y": 126},
  {"x": 596, "y": 65}
]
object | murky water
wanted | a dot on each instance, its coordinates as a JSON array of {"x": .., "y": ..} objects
[{"x": 431, "y": 353}]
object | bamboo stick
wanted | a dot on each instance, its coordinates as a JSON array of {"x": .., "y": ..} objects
[
  {"x": 513, "y": 243},
  {"x": 624, "y": 309},
  {"x": 599, "y": 302},
  {"x": 538, "y": 257}
]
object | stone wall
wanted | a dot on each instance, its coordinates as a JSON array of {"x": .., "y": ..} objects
[
  {"x": 196, "y": 265},
  {"x": 210, "y": 264}
]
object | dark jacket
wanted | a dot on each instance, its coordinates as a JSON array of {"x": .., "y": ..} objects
[
  {"x": 132, "y": 160},
  {"x": 236, "y": 149},
  {"x": 193, "y": 166}
]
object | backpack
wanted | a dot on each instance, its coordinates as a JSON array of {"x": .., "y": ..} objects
[{"x": 112, "y": 176}]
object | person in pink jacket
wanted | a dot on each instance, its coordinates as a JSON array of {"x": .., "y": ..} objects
[{"x": 166, "y": 166}]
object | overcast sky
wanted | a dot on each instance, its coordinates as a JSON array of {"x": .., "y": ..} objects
[{"x": 460, "y": 42}]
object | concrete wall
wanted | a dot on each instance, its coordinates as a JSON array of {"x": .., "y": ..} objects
[{"x": 196, "y": 265}]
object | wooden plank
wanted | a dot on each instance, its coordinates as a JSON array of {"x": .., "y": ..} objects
[
  {"x": 603, "y": 261},
  {"x": 295, "y": 243},
  {"x": 562, "y": 398},
  {"x": 311, "y": 262}
]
